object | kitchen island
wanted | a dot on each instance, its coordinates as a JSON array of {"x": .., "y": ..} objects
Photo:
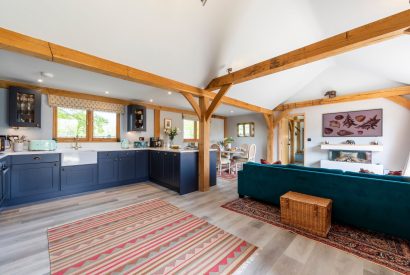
[{"x": 43, "y": 175}]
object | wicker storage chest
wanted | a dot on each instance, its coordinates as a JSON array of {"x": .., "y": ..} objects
[{"x": 312, "y": 214}]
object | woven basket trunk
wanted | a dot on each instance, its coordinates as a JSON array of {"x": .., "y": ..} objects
[{"x": 312, "y": 214}]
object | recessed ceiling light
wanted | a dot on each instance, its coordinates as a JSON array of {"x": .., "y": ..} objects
[
  {"x": 106, "y": 92},
  {"x": 151, "y": 100},
  {"x": 170, "y": 93},
  {"x": 39, "y": 80},
  {"x": 231, "y": 111}
]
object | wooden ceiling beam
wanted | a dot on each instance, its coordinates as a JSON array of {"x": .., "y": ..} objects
[
  {"x": 27, "y": 45},
  {"x": 353, "y": 39},
  {"x": 193, "y": 104},
  {"x": 383, "y": 93},
  {"x": 45, "y": 90},
  {"x": 401, "y": 101},
  {"x": 217, "y": 101},
  {"x": 407, "y": 31}
]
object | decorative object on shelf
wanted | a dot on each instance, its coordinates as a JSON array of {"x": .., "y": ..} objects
[
  {"x": 330, "y": 94},
  {"x": 325, "y": 142},
  {"x": 376, "y": 142},
  {"x": 167, "y": 123},
  {"x": 365, "y": 171},
  {"x": 366, "y": 123},
  {"x": 18, "y": 143},
  {"x": 24, "y": 107},
  {"x": 171, "y": 133},
  {"x": 136, "y": 118},
  {"x": 349, "y": 141}
]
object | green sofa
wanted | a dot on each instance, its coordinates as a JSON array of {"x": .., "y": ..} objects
[{"x": 375, "y": 202}]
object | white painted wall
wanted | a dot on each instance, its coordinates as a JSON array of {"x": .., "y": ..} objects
[
  {"x": 395, "y": 139},
  {"x": 260, "y": 133},
  {"x": 217, "y": 125}
]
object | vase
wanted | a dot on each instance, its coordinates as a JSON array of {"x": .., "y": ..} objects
[{"x": 171, "y": 142}]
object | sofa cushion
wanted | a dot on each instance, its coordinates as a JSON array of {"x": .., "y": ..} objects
[
  {"x": 380, "y": 177},
  {"x": 313, "y": 169}
]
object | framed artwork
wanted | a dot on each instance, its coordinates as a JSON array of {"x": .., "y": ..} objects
[
  {"x": 167, "y": 123},
  {"x": 367, "y": 123},
  {"x": 246, "y": 129}
]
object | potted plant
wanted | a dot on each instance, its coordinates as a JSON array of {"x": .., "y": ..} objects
[
  {"x": 226, "y": 143},
  {"x": 171, "y": 133},
  {"x": 18, "y": 143}
]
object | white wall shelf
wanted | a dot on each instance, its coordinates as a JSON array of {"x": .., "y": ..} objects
[{"x": 353, "y": 147}]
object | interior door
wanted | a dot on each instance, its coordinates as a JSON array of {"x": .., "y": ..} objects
[{"x": 283, "y": 144}]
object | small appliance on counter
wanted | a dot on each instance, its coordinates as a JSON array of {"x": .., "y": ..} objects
[
  {"x": 125, "y": 144},
  {"x": 155, "y": 142},
  {"x": 42, "y": 145},
  {"x": 140, "y": 144}
]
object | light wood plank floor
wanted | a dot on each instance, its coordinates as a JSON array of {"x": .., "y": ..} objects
[{"x": 23, "y": 240}]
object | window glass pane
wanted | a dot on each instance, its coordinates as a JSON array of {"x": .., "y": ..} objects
[
  {"x": 247, "y": 129},
  {"x": 71, "y": 123},
  {"x": 104, "y": 124},
  {"x": 189, "y": 129},
  {"x": 240, "y": 130}
]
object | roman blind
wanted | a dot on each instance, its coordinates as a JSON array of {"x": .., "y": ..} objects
[{"x": 85, "y": 104}]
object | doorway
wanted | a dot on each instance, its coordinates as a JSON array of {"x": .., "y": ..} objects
[{"x": 292, "y": 139}]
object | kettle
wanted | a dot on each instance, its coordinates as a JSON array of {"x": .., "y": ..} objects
[{"x": 125, "y": 144}]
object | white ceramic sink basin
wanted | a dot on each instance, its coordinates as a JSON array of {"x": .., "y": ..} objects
[{"x": 79, "y": 157}]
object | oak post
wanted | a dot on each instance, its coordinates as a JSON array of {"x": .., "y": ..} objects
[
  {"x": 157, "y": 123},
  {"x": 270, "y": 138},
  {"x": 204, "y": 127}
]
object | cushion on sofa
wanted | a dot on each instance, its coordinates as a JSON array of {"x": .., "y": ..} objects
[
  {"x": 313, "y": 169},
  {"x": 380, "y": 177}
]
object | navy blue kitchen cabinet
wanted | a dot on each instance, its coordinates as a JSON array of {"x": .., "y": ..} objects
[
  {"x": 107, "y": 167},
  {"x": 141, "y": 165},
  {"x": 78, "y": 178},
  {"x": 31, "y": 179},
  {"x": 178, "y": 171},
  {"x": 24, "y": 107},
  {"x": 4, "y": 180},
  {"x": 126, "y": 166}
]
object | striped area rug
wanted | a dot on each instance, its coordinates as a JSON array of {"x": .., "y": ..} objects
[{"x": 153, "y": 237}]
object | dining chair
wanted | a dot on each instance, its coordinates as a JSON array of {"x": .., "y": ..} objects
[
  {"x": 221, "y": 161},
  {"x": 244, "y": 155},
  {"x": 238, "y": 164}
]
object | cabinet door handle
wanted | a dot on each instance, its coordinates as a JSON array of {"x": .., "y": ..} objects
[
  {"x": 36, "y": 158},
  {"x": 55, "y": 164}
]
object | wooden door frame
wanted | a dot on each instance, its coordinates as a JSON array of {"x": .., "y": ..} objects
[{"x": 304, "y": 137}]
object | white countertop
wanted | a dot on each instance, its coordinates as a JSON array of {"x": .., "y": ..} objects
[{"x": 60, "y": 151}]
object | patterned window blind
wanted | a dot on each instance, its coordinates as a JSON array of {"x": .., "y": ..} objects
[{"x": 90, "y": 105}]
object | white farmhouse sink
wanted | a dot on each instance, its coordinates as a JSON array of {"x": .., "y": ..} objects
[{"x": 78, "y": 157}]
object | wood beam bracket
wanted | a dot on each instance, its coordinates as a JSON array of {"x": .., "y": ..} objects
[
  {"x": 193, "y": 103},
  {"x": 217, "y": 101}
]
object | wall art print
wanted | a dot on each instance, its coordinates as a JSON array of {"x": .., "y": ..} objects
[{"x": 368, "y": 123}]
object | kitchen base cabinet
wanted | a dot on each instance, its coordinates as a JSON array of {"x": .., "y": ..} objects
[
  {"x": 178, "y": 171},
  {"x": 78, "y": 178},
  {"x": 107, "y": 167},
  {"x": 29, "y": 181},
  {"x": 4, "y": 180},
  {"x": 126, "y": 166},
  {"x": 141, "y": 165}
]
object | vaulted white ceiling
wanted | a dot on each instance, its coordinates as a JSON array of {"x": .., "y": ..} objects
[{"x": 185, "y": 41}]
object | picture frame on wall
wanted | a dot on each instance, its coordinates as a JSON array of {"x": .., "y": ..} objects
[
  {"x": 365, "y": 123},
  {"x": 167, "y": 123}
]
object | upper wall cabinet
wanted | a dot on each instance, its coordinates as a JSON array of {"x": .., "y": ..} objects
[
  {"x": 24, "y": 107},
  {"x": 136, "y": 118}
]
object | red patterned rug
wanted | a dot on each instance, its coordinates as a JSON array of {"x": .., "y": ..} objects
[
  {"x": 227, "y": 176},
  {"x": 391, "y": 252},
  {"x": 153, "y": 237}
]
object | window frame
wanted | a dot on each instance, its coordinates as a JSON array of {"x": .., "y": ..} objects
[
  {"x": 251, "y": 129},
  {"x": 89, "y": 131},
  {"x": 196, "y": 133}
]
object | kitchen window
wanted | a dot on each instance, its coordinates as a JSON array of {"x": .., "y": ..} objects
[
  {"x": 89, "y": 126},
  {"x": 191, "y": 130}
]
